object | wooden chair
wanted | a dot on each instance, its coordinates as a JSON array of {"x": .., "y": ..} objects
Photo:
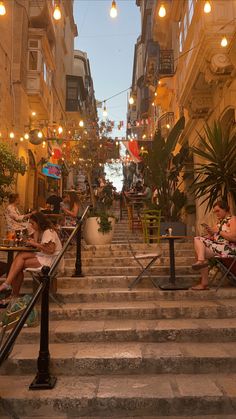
[
  {"x": 227, "y": 266},
  {"x": 151, "y": 223}
]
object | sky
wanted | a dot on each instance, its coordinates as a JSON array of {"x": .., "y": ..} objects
[{"x": 109, "y": 44}]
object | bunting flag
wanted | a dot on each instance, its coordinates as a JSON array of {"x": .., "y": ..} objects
[{"x": 133, "y": 149}]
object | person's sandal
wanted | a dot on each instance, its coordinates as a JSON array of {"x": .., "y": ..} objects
[
  {"x": 6, "y": 291},
  {"x": 199, "y": 265}
]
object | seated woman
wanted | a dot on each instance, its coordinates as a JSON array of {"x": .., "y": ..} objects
[
  {"x": 48, "y": 245},
  {"x": 14, "y": 219},
  {"x": 220, "y": 241},
  {"x": 72, "y": 212}
]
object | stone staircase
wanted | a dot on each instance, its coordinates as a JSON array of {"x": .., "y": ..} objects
[{"x": 144, "y": 353}]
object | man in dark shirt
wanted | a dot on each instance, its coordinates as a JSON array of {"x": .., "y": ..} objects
[{"x": 55, "y": 201}]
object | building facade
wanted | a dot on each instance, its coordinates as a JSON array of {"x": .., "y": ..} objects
[
  {"x": 180, "y": 63},
  {"x": 37, "y": 64}
]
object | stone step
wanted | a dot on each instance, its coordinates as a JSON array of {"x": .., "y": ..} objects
[
  {"x": 106, "y": 281},
  {"x": 174, "y": 330},
  {"x": 127, "y": 270},
  {"x": 73, "y": 295},
  {"x": 181, "y": 245},
  {"x": 128, "y": 261},
  {"x": 105, "y": 358},
  {"x": 123, "y": 396},
  {"x": 146, "y": 310},
  {"x": 127, "y": 252}
]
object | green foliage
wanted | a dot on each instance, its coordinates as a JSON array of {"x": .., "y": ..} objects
[
  {"x": 9, "y": 166},
  {"x": 216, "y": 175},
  {"x": 163, "y": 170},
  {"x": 103, "y": 203}
]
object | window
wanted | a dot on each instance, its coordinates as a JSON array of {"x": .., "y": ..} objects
[
  {"x": 185, "y": 23},
  {"x": 33, "y": 60}
]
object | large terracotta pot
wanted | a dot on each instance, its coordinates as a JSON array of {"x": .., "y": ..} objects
[{"x": 91, "y": 234}]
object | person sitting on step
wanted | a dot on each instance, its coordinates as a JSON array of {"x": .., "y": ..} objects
[{"x": 220, "y": 241}]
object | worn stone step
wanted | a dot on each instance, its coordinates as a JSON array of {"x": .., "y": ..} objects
[
  {"x": 101, "y": 358},
  {"x": 131, "y": 396},
  {"x": 73, "y": 295},
  {"x": 127, "y": 270},
  {"x": 129, "y": 261},
  {"x": 106, "y": 281},
  {"x": 127, "y": 252},
  {"x": 223, "y": 308},
  {"x": 174, "y": 330},
  {"x": 139, "y": 246}
]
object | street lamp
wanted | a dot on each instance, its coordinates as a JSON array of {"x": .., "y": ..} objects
[
  {"x": 113, "y": 11},
  {"x": 2, "y": 8}
]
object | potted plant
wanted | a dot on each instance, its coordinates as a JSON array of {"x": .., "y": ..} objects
[
  {"x": 216, "y": 174},
  {"x": 90, "y": 155},
  {"x": 9, "y": 166},
  {"x": 163, "y": 170}
]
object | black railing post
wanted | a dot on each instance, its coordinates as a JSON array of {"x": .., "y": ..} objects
[
  {"x": 43, "y": 379},
  {"x": 78, "y": 260}
]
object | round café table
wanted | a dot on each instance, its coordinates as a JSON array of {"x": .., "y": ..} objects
[{"x": 171, "y": 285}]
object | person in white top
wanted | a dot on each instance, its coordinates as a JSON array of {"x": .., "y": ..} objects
[
  {"x": 48, "y": 245},
  {"x": 14, "y": 219}
]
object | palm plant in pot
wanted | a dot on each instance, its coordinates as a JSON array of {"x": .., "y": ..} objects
[
  {"x": 163, "y": 170},
  {"x": 216, "y": 173}
]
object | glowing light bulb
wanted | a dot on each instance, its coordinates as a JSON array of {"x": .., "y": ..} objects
[
  {"x": 11, "y": 135},
  {"x": 40, "y": 134},
  {"x": 168, "y": 126},
  {"x": 155, "y": 93},
  {"x": 131, "y": 100},
  {"x": 162, "y": 11},
  {"x": 60, "y": 129},
  {"x": 153, "y": 103},
  {"x": 105, "y": 111},
  {"x": 26, "y": 136},
  {"x": 33, "y": 113},
  {"x": 207, "y": 7},
  {"x": 21, "y": 139},
  {"x": 57, "y": 13},
  {"x": 81, "y": 123},
  {"x": 113, "y": 11},
  {"x": 224, "y": 42},
  {"x": 2, "y": 9}
]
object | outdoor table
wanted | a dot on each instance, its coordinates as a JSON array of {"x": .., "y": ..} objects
[
  {"x": 10, "y": 252},
  {"x": 172, "y": 279}
]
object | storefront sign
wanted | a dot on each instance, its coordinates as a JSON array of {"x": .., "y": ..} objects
[{"x": 52, "y": 170}]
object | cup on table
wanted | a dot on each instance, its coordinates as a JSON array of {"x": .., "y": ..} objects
[{"x": 170, "y": 230}]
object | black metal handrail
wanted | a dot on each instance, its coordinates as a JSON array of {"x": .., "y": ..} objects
[{"x": 43, "y": 379}]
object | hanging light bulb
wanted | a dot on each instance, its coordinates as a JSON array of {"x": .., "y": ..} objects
[
  {"x": 21, "y": 139},
  {"x": 81, "y": 123},
  {"x": 113, "y": 11},
  {"x": 131, "y": 100},
  {"x": 40, "y": 134},
  {"x": 104, "y": 113},
  {"x": 26, "y": 136},
  {"x": 11, "y": 135},
  {"x": 224, "y": 42},
  {"x": 162, "y": 11},
  {"x": 2, "y": 8},
  {"x": 57, "y": 13},
  {"x": 60, "y": 129},
  {"x": 33, "y": 113},
  {"x": 207, "y": 7}
]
